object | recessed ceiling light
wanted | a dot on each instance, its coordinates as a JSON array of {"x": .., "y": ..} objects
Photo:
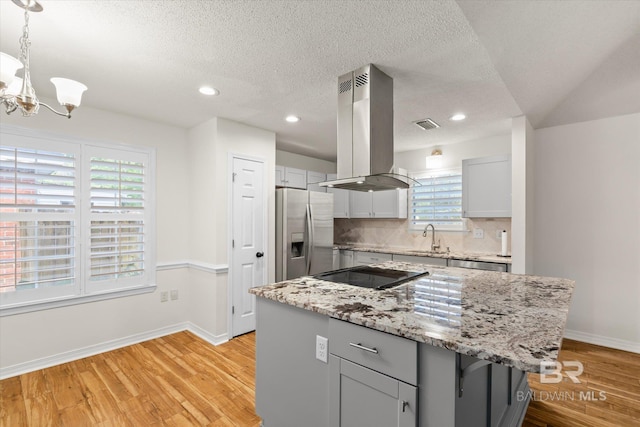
[
  {"x": 208, "y": 90},
  {"x": 457, "y": 117},
  {"x": 292, "y": 119}
]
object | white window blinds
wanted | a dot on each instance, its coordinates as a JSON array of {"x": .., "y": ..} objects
[
  {"x": 37, "y": 181},
  {"x": 76, "y": 219},
  {"x": 437, "y": 200},
  {"x": 119, "y": 218},
  {"x": 38, "y": 220}
]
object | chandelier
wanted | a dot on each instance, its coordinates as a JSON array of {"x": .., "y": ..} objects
[{"x": 18, "y": 93}]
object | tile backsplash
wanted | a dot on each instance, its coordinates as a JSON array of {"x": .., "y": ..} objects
[{"x": 394, "y": 233}]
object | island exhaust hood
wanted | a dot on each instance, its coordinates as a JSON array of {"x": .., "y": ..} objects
[{"x": 365, "y": 132}]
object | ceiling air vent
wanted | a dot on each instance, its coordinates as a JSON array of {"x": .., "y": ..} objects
[{"x": 427, "y": 124}]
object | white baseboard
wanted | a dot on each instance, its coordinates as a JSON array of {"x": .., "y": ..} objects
[
  {"x": 208, "y": 337},
  {"x": 616, "y": 343},
  {"x": 69, "y": 356}
]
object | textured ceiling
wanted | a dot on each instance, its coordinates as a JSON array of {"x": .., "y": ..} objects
[{"x": 555, "y": 61}]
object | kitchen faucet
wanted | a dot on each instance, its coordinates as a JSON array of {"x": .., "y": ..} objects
[{"x": 434, "y": 247}]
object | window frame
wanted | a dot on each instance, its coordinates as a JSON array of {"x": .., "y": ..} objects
[
  {"x": 13, "y": 302},
  {"x": 412, "y": 225}
]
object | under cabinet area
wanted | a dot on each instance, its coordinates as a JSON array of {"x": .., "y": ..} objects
[{"x": 486, "y": 187}]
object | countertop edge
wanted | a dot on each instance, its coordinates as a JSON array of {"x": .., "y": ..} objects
[{"x": 465, "y": 256}]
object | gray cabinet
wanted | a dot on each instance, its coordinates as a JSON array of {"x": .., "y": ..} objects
[
  {"x": 291, "y": 177},
  {"x": 373, "y": 377},
  {"x": 479, "y": 265},
  {"x": 486, "y": 187},
  {"x": 340, "y": 200},
  {"x": 336, "y": 259},
  {"x": 366, "y": 258},
  {"x": 313, "y": 178},
  {"x": 362, "y": 397},
  {"x": 346, "y": 259},
  {"x": 378, "y": 204},
  {"x": 291, "y": 384}
]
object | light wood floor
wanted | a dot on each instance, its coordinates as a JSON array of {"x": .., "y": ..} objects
[
  {"x": 610, "y": 377},
  {"x": 177, "y": 380},
  {"x": 180, "y": 380}
]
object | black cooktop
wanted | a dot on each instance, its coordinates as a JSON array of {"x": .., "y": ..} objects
[{"x": 369, "y": 277}]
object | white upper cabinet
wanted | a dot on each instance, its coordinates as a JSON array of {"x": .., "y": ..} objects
[
  {"x": 340, "y": 199},
  {"x": 378, "y": 204},
  {"x": 291, "y": 177},
  {"x": 486, "y": 187},
  {"x": 313, "y": 178},
  {"x": 280, "y": 176}
]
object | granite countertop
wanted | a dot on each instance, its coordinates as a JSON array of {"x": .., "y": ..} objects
[
  {"x": 467, "y": 256},
  {"x": 510, "y": 319}
]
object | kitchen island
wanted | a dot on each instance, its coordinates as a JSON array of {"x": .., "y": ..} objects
[{"x": 451, "y": 348}]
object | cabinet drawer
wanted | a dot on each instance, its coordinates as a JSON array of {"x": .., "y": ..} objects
[{"x": 391, "y": 355}]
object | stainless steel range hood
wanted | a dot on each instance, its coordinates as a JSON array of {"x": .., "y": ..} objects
[{"x": 365, "y": 132}]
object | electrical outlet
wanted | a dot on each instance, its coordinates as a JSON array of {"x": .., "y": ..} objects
[
  {"x": 164, "y": 296},
  {"x": 478, "y": 233},
  {"x": 322, "y": 348},
  {"x": 174, "y": 294},
  {"x": 498, "y": 234}
]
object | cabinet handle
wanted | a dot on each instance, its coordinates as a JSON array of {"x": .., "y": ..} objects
[
  {"x": 404, "y": 405},
  {"x": 361, "y": 347}
]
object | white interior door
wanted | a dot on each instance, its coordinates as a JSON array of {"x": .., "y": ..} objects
[{"x": 248, "y": 262}]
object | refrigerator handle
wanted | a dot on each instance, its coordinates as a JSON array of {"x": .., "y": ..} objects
[{"x": 309, "y": 238}]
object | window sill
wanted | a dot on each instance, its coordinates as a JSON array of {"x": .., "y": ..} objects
[{"x": 46, "y": 305}]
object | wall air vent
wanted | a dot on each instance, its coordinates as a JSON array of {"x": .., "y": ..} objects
[{"x": 426, "y": 124}]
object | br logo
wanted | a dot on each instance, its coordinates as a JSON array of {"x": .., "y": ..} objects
[{"x": 551, "y": 372}]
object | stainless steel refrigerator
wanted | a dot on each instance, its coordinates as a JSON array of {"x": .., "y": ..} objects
[{"x": 304, "y": 233}]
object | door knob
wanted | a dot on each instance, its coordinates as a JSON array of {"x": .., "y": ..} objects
[{"x": 259, "y": 254}]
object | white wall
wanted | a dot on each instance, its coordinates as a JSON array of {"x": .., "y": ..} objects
[
  {"x": 522, "y": 196},
  {"x": 587, "y": 224},
  {"x": 284, "y": 158},
  {"x": 43, "y": 335},
  {"x": 210, "y": 145}
]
